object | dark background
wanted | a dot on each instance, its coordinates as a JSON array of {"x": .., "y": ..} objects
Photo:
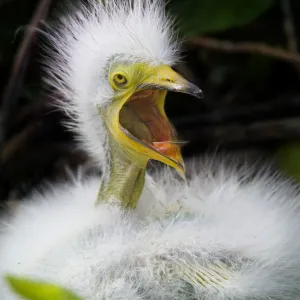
[{"x": 242, "y": 53}]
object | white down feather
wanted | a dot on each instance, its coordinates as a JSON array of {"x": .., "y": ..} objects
[{"x": 225, "y": 236}]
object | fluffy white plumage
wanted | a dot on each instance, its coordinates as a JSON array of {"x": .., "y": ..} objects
[
  {"x": 226, "y": 235},
  {"x": 236, "y": 238}
]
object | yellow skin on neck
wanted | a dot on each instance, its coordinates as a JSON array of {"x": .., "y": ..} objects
[{"x": 127, "y": 80}]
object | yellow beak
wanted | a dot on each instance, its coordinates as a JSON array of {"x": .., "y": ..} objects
[
  {"x": 165, "y": 78},
  {"x": 140, "y": 124}
]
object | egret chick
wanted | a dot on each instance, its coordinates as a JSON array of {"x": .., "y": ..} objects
[{"x": 222, "y": 235}]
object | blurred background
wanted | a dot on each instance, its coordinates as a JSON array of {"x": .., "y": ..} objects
[{"x": 243, "y": 54}]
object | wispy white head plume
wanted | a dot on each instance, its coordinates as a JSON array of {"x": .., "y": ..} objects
[{"x": 85, "y": 44}]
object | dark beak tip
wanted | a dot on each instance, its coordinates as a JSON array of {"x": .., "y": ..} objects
[
  {"x": 194, "y": 90},
  {"x": 199, "y": 94}
]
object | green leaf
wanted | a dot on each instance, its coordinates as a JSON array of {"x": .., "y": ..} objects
[
  {"x": 207, "y": 16},
  {"x": 33, "y": 290},
  {"x": 288, "y": 159}
]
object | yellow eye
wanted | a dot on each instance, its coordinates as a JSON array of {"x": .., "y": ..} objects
[{"x": 120, "y": 80}]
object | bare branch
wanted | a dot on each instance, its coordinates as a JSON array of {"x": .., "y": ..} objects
[
  {"x": 13, "y": 88},
  {"x": 288, "y": 25},
  {"x": 246, "y": 47}
]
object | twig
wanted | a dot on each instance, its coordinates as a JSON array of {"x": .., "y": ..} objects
[
  {"x": 288, "y": 25},
  {"x": 13, "y": 89},
  {"x": 246, "y": 47},
  {"x": 13, "y": 145},
  {"x": 289, "y": 29}
]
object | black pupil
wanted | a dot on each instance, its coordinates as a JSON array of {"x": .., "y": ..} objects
[{"x": 120, "y": 77}]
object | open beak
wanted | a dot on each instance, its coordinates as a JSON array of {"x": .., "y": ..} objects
[{"x": 142, "y": 119}]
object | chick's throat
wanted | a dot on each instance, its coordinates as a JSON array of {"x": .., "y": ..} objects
[{"x": 143, "y": 120}]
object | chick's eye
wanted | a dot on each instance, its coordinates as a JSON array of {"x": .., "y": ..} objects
[{"x": 120, "y": 80}]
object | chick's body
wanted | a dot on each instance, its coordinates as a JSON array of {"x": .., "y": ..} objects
[{"x": 221, "y": 237}]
